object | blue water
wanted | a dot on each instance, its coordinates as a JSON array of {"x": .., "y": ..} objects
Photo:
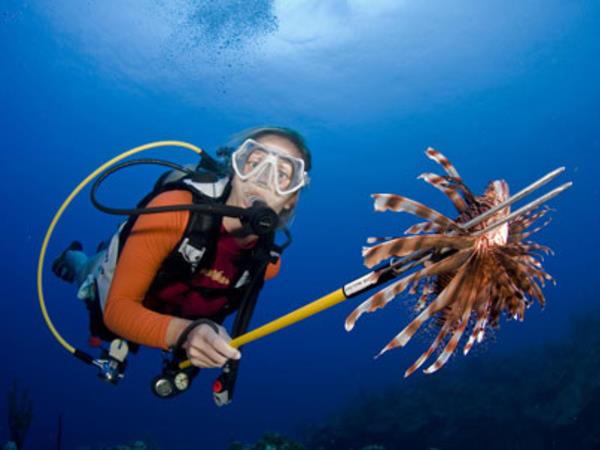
[{"x": 506, "y": 90}]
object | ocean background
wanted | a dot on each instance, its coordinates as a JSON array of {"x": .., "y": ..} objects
[{"x": 505, "y": 89}]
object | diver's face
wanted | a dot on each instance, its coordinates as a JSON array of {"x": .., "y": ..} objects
[{"x": 245, "y": 192}]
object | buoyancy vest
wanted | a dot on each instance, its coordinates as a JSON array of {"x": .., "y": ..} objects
[{"x": 195, "y": 252}]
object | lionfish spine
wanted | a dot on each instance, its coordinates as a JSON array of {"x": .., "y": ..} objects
[
  {"x": 422, "y": 227},
  {"x": 425, "y": 356},
  {"x": 529, "y": 247},
  {"x": 477, "y": 332},
  {"x": 442, "y": 185},
  {"x": 374, "y": 239},
  {"x": 449, "y": 349},
  {"x": 407, "y": 245},
  {"x": 472, "y": 285},
  {"x": 384, "y": 296},
  {"x": 398, "y": 203},
  {"x": 439, "y": 158},
  {"x": 535, "y": 230},
  {"x": 525, "y": 221},
  {"x": 428, "y": 289}
]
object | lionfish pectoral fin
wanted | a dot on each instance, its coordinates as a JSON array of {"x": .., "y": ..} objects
[
  {"x": 442, "y": 300},
  {"x": 410, "y": 244},
  {"x": 451, "y": 345},
  {"x": 477, "y": 334},
  {"x": 377, "y": 301},
  {"x": 425, "y": 356},
  {"x": 464, "y": 299},
  {"x": 384, "y": 296}
]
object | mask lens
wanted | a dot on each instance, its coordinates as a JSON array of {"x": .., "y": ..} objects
[
  {"x": 285, "y": 174},
  {"x": 253, "y": 160}
]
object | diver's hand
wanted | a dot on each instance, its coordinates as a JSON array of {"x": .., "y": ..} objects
[{"x": 207, "y": 349}]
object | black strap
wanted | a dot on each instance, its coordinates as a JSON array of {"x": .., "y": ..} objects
[
  {"x": 227, "y": 379},
  {"x": 201, "y": 232},
  {"x": 186, "y": 332}
]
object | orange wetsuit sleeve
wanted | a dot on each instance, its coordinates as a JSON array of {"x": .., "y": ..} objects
[
  {"x": 273, "y": 269},
  {"x": 152, "y": 239}
]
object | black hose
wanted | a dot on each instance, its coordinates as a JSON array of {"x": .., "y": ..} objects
[{"x": 260, "y": 218}]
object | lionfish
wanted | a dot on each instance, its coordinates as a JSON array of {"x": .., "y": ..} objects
[{"x": 474, "y": 268}]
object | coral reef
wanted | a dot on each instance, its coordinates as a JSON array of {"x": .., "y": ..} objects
[
  {"x": 134, "y": 445},
  {"x": 269, "y": 441},
  {"x": 20, "y": 413},
  {"x": 275, "y": 441},
  {"x": 543, "y": 398}
]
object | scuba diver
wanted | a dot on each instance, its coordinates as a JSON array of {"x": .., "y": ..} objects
[{"x": 168, "y": 280}]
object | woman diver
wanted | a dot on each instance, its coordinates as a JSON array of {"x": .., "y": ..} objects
[{"x": 166, "y": 293}]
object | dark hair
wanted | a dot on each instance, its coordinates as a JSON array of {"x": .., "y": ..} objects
[{"x": 257, "y": 132}]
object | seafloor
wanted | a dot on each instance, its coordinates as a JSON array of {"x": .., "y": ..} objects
[{"x": 539, "y": 399}]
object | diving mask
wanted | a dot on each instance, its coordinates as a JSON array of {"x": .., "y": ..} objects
[{"x": 269, "y": 166}]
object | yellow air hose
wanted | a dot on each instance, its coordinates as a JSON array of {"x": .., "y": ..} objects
[{"x": 63, "y": 207}]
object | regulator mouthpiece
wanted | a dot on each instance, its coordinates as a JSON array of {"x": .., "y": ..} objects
[{"x": 262, "y": 219}]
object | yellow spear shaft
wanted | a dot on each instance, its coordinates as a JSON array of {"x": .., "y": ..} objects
[{"x": 291, "y": 318}]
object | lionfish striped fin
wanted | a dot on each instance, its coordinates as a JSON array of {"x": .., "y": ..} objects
[
  {"x": 404, "y": 246},
  {"x": 534, "y": 267},
  {"x": 472, "y": 287},
  {"x": 478, "y": 330},
  {"x": 377, "y": 301},
  {"x": 425, "y": 356},
  {"x": 451, "y": 345},
  {"x": 384, "y": 296},
  {"x": 508, "y": 289},
  {"x": 439, "y": 158},
  {"x": 529, "y": 259},
  {"x": 532, "y": 246},
  {"x": 442, "y": 184},
  {"x": 525, "y": 277},
  {"x": 427, "y": 290},
  {"x": 398, "y": 203},
  {"x": 414, "y": 287},
  {"x": 374, "y": 239},
  {"x": 422, "y": 227},
  {"x": 442, "y": 300},
  {"x": 524, "y": 222},
  {"x": 516, "y": 279},
  {"x": 535, "y": 230}
]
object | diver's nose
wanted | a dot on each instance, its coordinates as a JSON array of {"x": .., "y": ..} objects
[{"x": 263, "y": 178}]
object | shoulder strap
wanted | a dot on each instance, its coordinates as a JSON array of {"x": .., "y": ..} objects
[
  {"x": 197, "y": 246},
  {"x": 265, "y": 252}
]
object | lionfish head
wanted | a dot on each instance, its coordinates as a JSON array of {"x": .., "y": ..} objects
[{"x": 497, "y": 192}]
